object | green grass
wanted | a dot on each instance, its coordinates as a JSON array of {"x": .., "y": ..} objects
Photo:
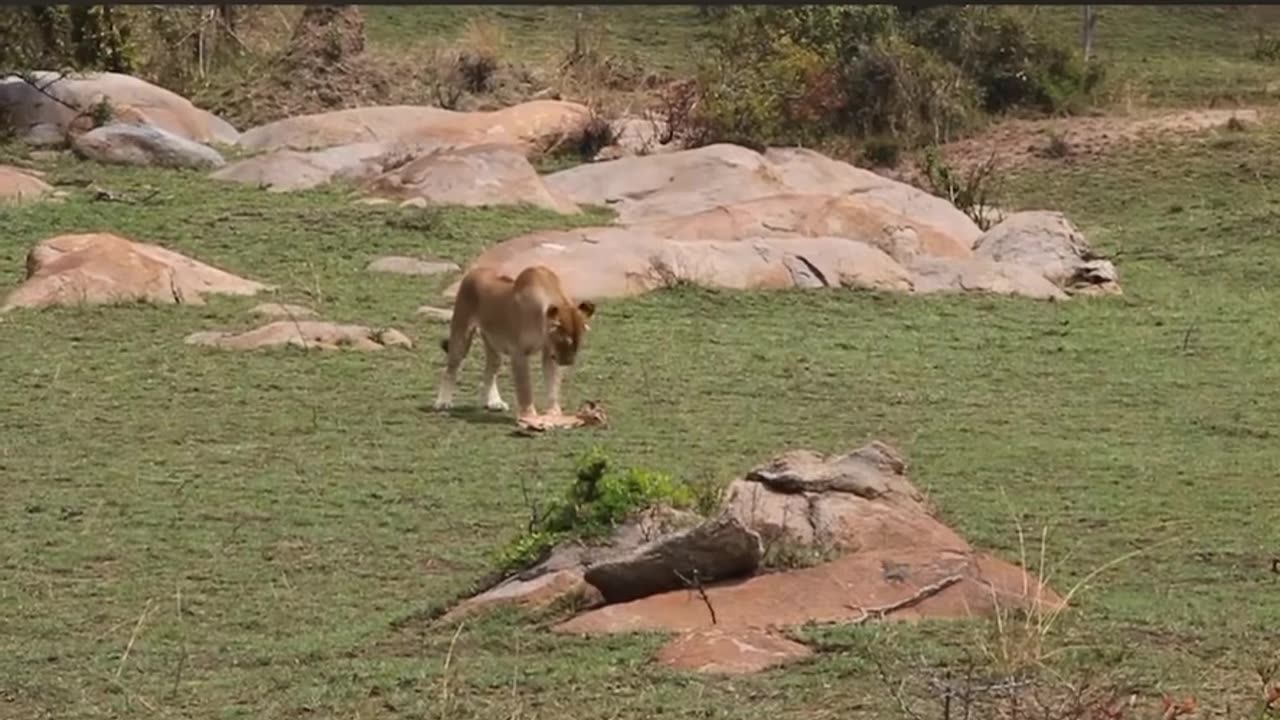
[
  {"x": 275, "y": 515},
  {"x": 1175, "y": 55},
  {"x": 1158, "y": 55}
]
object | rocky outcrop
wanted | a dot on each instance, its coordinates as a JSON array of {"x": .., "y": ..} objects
[
  {"x": 727, "y": 217},
  {"x": 890, "y": 559}
]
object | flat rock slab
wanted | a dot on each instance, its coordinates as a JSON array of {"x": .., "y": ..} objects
[
  {"x": 278, "y": 310},
  {"x": 401, "y": 265},
  {"x": 739, "y": 651},
  {"x": 441, "y": 315},
  {"x": 892, "y": 585},
  {"x": 305, "y": 334},
  {"x": 100, "y": 268}
]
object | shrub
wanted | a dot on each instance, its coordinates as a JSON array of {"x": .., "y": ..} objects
[
  {"x": 1266, "y": 47},
  {"x": 882, "y": 151},
  {"x": 897, "y": 89},
  {"x": 600, "y": 499},
  {"x": 798, "y": 74},
  {"x": 1010, "y": 66}
]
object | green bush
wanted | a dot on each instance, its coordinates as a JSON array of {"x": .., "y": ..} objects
[
  {"x": 897, "y": 89},
  {"x": 799, "y": 74},
  {"x": 1010, "y": 66},
  {"x": 600, "y": 499},
  {"x": 90, "y": 37}
]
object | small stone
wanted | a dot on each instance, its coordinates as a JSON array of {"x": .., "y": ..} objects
[{"x": 277, "y": 310}]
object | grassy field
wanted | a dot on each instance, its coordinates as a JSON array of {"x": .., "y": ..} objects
[
  {"x": 190, "y": 533},
  {"x": 664, "y": 38},
  {"x": 1156, "y": 55},
  {"x": 259, "y": 531}
]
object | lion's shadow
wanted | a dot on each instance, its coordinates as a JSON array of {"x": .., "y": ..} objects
[{"x": 473, "y": 414}]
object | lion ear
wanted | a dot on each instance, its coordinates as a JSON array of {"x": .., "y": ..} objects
[{"x": 587, "y": 307}]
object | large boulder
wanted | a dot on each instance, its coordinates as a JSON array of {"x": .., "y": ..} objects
[
  {"x": 478, "y": 175},
  {"x": 145, "y": 146},
  {"x": 855, "y": 502},
  {"x": 290, "y": 170},
  {"x": 97, "y": 268},
  {"x": 44, "y": 112},
  {"x": 534, "y": 125},
  {"x": 1050, "y": 243},
  {"x": 608, "y": 262},
  {"x": 305, "y": 334},
  {"x": 690, "y": 181},
  {"x": 21, "y": 186}
]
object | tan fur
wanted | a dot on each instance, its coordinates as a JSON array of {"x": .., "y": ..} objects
[{"x": 517, "y": 318}]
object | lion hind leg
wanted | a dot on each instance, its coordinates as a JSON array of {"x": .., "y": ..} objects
[{"x": 461, "y": 332}]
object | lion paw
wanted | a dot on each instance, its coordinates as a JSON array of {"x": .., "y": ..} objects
[{"x": 497, "y": 406}]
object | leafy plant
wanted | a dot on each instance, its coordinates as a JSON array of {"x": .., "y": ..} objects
[{"x": 600, "y": 499}]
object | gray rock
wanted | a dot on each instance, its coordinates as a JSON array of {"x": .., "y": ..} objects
[
  {"x": 144, "y": 145},
  {"x": 1049, "y": 243},
  {"x": 718, "y": 549}
]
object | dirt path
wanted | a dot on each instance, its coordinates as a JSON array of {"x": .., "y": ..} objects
[{"x": 1019, "y": 142}]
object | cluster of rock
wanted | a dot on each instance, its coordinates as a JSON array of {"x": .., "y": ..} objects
[
  {"x": 721, "y": 216},
  {"x": 890, "y": 558},
  {"x": 729, "y": 217}
]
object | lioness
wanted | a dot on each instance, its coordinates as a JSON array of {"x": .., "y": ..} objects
[{"x": 516, "y": 318}]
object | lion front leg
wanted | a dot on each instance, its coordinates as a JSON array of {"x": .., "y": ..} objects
[
  {"x": 492, "y": 363},
  {"x": 552, "y": 374},
  {"x": 524, "y": 386}
]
